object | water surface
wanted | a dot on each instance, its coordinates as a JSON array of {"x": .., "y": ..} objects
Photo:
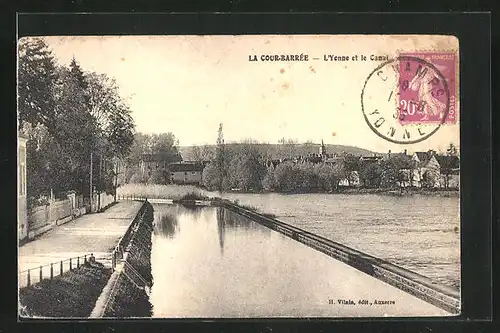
[
  {"x": 210, "y": 262},
  {"x": 415, "y": 232}
]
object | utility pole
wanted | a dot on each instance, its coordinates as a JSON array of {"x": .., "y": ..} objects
[
  {"x": 116, "y": 176},
  {"x": 91, "y": 167},
  {"x": 99, "y": 184}
]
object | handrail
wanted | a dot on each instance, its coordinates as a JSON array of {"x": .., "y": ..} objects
[
  {"x": 53, "y": 272},
  {"x": 57, "y": 262},
  {"x": 126, "y": 238}
]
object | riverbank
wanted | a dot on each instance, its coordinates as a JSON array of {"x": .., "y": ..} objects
[
  {"x": 177, "y": 192},
  {"x": 72, "y": 294},
  {"x": 126, "y": 294},
  {"x": 402, "y": 192}
]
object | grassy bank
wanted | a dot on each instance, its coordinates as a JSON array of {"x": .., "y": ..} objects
[
  {"x": 72, "y": 294},
  {"x": 401, "y": 191},
  {"x": 174, "y": 192}
]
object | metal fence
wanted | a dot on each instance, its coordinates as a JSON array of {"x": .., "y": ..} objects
[
  {"x": 132, "y": 197},
  {"x": 120, "y": 248},
  {"x": 49, "y": 271}
]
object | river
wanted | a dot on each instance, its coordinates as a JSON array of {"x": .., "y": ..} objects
[
  {"x": 415, "y": 232},
  {"x": 209, "y": 262}
]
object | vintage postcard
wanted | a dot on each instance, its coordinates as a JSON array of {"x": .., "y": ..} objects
[{"x": 248, "y": 176}]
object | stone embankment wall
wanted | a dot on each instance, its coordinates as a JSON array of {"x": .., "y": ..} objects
[{"x": 126, "y": 294}]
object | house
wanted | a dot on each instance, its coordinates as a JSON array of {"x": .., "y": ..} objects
[
  {"x": 186, "y": 172},
  {"x": 426, "y": 172},
  {"x": 449, "y": 171},
  {"x": 353, "y": 179},
  {"x": 22, "y": 206},
  {"x": 370, "y": 159},
  {"x": 159, "y": 161}
]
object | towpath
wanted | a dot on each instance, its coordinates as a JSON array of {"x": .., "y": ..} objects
[{"x": 96, "y": 233}]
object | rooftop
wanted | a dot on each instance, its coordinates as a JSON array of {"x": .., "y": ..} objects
[
  {"x": 190, "y": 166},
  {"x": 162, "y": 157}
]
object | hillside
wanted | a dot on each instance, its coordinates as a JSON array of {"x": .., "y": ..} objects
[{"x": 273, "y": 150}]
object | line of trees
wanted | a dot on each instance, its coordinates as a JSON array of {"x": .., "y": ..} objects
[
  {"x": 244, "y": 167},
  {"x": 67, "y": 114}
]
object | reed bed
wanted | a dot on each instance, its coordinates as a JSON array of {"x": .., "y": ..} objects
[{"x": 170, "y": 191}]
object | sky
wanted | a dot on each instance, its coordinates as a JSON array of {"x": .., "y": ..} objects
[{"x": 187, "y": 85}]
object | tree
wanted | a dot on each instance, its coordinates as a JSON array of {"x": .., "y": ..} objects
[
  {"x": 57, "y": 109},
  {"x": 268, "y": 183},
  {"x": 37, "y": 77},
  {"x": 287, "y": 148},
  {"x": 327, "y": 178},
  {"x": 452, "y": 150},
  {"x": 76, "y": 130},
  {"x": 197, "y": 155},
  {"x": 428, "y": 179},
  {"x": 448, "y": 165},
  {"x": 370, "y": 175},
  {"x": 340, "y": 172},
  {"x": 210, "y": 177},
  {"x": 202, "y": 153},
  {"x": 351, "y": 164},
  {"x": 120, "y": 132},
  {"x": 110, "y": 111},
  {"x": 137, "y": 178},
  {"x": 164, "y": 143},
  {"x": 306, "y": 176},
  {"x": 158, "y": 177},
  {"x": 247, "y": 167},
  {"x": 220, "y": 159},
  {"x": 41, "y": 155},
  {"x": 285, "y": 177}
]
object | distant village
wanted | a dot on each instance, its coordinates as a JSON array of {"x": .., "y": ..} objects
[{"x": 419, "y": 169}]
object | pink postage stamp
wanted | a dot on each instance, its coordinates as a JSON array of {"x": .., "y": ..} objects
[{"x": 427, "y": 88}]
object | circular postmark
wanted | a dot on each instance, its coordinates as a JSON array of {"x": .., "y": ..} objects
[{"x": 405, "y": 100}]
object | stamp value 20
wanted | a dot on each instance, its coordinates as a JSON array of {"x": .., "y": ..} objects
[
  {"x": 406, "y": 99},
  {"x": 426, "y": 94}
]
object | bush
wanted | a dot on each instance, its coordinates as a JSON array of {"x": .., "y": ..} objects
[
  {"x": 210, "y": 177},
  {"x": 158, "y": 177},
  {"x": 194, "y": 196}
]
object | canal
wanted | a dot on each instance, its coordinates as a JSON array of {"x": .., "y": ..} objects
[
  {"x": 209, "y": 262},
  {"x": 419, "y": 233}
]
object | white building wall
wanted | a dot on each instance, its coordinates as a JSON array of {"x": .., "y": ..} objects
[{"x": 186, "y": 177}]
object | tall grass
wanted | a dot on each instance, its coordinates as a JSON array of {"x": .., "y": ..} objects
[
  {"x": 171, "y": 191},
  {"x": 72, "y": 294}
]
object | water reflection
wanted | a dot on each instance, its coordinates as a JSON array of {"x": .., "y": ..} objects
[
  {"x": 236, "y": 221},
  {"x": 221, "y": 224},
  {"x": 167, "y": 224}
]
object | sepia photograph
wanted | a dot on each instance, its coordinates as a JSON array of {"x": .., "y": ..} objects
[{"x": 238, "y": 176}]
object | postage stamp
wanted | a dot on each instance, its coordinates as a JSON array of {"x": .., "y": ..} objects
[
  {"x": 427, "y": 88},
  {"x": 406, "y": 99}
]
